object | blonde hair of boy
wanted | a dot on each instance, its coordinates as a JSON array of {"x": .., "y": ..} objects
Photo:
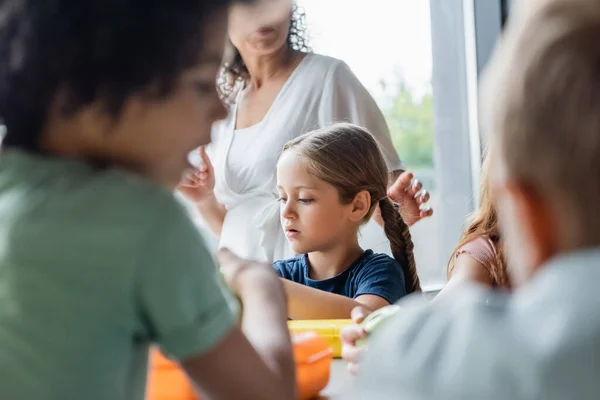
[{"x": 543, "y": 110}]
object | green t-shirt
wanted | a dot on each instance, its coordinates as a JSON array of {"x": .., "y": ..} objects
[{"x": 96, "y": 265}]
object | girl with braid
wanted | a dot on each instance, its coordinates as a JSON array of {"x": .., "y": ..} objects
[
  {"x": 478, "y": 258},
  {"x": 330, "y": 182}
]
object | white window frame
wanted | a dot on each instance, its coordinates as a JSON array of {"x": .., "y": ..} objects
[{"x": 463, "y": 33}]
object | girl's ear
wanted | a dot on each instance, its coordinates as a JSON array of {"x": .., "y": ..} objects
[{"x": 360, "y": 206}]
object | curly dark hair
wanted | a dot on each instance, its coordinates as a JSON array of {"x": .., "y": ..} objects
[
  {"x": 234, "y": 71},
  {"x": 91, "y": 50}
]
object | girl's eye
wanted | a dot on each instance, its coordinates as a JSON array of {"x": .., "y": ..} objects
[
  {"x": 305, "y": 201},
  {"x": 282, "y": 200}
]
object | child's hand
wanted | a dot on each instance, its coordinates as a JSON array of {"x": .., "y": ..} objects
[
  {"x": 352, "y": 353},
  {"x": 411, "y": 198},
  {"x": 244, "y": 275},
  {"x": 200, "y": 183}
]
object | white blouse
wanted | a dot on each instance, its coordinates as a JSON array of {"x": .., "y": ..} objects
[{"x": 321, "y": 91}]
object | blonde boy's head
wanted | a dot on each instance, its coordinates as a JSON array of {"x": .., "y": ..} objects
[{"x": 541, "y": 107}]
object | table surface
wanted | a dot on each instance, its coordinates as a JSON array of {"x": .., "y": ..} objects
[{"x": 339, "y": 380}]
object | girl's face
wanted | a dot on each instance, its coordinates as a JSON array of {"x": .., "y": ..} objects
[
  {"x": 312, "y": 216},
  {"x": 260, "y": 28},
  {"x": 154, "y": 136}
]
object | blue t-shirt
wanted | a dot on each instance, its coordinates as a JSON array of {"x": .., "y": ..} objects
[{"x": 373, "y": 273}]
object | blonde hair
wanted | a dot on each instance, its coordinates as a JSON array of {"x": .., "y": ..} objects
[
  {"x": 484, "y": 223},
  {"x": 542, "y": 107},
  {"x": 348, "y": 157}
]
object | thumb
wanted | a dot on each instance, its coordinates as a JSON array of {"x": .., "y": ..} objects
[
  {"x": 202, "y": 153},
  {"x": 398, "y": 188},
  {"x": 358, "y": 314},
  {"x": 205, "y": 158}
]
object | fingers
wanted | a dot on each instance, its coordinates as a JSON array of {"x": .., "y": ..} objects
[
  {"x": 189, "y": 180},
  {"x": 406, "y": 185},
  {"x": 358, "y": 314},
  {"x": 428, "y": 212},
  {"x": 202, "y": 153},
  {"x": 206, "y": 164},
  {"x": 398, "y": 189},
  {"x": 201, "y": 177},
  {"x": 415, "y": 188},
  {"x": 352, "y": 354},
  {"x": 195, "y": 178},
  {"x": 351, "y": 333},
  {"x": 422, "y": 196}
]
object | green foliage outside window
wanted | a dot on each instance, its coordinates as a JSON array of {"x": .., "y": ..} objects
[{"x": 410, "y": 119}]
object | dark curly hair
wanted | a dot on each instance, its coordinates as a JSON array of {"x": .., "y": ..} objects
[
  {"x": 234, "y": 71},
  {"x": 91, "y": 50}
]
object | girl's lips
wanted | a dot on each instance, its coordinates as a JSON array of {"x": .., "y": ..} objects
[{"x": 292, "y": 233}]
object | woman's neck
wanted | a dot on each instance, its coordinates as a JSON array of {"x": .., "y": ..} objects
[
  {"x": 262, "y": 68},
  {"x": 332, "y": 262}
]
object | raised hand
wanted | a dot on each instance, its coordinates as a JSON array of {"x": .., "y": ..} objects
[
  {"x": 411, "y": 198},
  {"x": 199, "y": 183}
]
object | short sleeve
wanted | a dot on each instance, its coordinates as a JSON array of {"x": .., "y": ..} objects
[
  {"x": 182, "y": 300},
  {"x": 291, "y": 269},
  {"x": 345, "y": 99},
  {"x": 482, "y": 250},
  {"x": 280, "y": 269},
  {"x": 382, "y": 277}
]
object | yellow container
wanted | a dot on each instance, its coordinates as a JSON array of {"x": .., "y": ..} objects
[{"x": 328, "y": 328}]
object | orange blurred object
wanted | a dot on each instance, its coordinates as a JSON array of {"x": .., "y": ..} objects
[
  {"x": 167, "y": 381},
  {"x": 313, "y": 363},
  {"x": 312, "y": 354}
]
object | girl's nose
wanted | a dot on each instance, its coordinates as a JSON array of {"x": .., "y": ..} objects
[{"x": 288, "y": 211}]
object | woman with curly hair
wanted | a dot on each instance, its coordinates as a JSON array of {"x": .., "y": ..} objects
[{"x": 277, "y": 90}]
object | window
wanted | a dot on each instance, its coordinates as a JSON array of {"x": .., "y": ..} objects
[{"x": 412, "y": 56}]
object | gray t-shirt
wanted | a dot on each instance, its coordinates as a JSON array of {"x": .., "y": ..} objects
[{"x": 542, "y": 342}]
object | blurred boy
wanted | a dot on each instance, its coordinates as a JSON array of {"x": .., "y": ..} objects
[{"x": 541, "y": 107}]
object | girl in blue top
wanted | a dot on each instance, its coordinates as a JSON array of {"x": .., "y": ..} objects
[{"x": 330, "y": 182}]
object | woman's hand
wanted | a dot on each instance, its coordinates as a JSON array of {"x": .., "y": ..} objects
[
  {"x": 199, "y": 184},
  {"x": 352, "y": 353},
  {"x": 411, "y": 198}
]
